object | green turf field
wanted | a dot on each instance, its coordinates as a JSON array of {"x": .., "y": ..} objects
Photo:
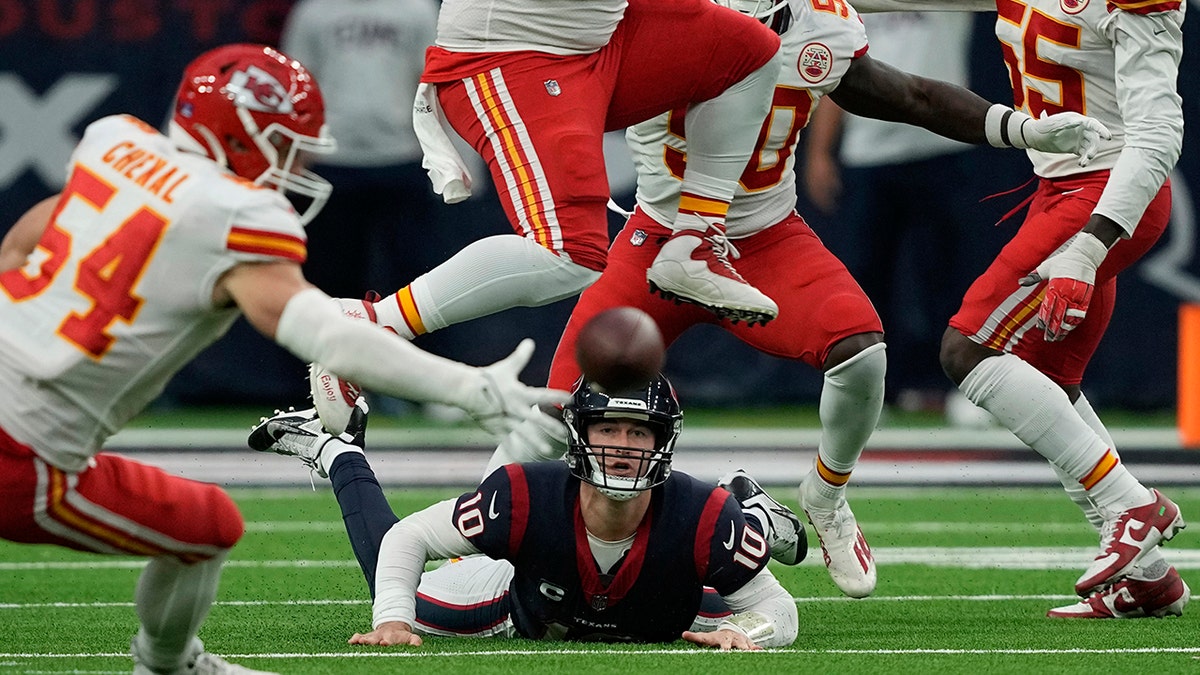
[{"x": 965, "y": 576}]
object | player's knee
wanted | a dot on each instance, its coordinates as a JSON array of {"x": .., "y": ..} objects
[
  {"x": 959, "y": 355},
  {"x": 226, "y": 521},
  {"x": 850, "y": 347}
]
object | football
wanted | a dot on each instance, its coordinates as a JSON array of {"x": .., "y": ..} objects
[{"x": 620, "y": 349}]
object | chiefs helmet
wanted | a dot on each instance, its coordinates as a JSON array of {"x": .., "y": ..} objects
[
  {"x": 774, "y": 13},
  {"x": 654, "y": 405},
  {"x": 255, "y": 110}
]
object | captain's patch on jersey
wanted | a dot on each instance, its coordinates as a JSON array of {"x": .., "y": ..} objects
[{"x": 815, "y": 62}]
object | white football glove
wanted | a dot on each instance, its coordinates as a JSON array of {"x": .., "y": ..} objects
[
  {"x": 1070, "y": 276},
  {"x": 1065, "y": 132},
  {"x": 539, "y": 437},
  {"x": 503, "y": 401}
]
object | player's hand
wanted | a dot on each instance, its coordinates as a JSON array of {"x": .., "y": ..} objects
[
  {"x": 723, "y": 639},
  {"x": 503, "y": 401},
  {"x": 539, "y": 436},
  {"x": 387, "y": 635},
  {"x": 1070, "y": 275},
  {"x": 1067, "y": 132}
]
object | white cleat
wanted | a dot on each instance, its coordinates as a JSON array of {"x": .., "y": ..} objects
[
  {"x": 199, "y": 662},
  {"x": 847, "y": 555},
  {"x": 694, "y": 267}
]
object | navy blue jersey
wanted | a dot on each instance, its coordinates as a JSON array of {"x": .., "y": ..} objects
[{"x": 694, "y": 535}]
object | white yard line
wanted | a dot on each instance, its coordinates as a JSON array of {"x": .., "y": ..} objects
[{"x": 997, "y": 557}]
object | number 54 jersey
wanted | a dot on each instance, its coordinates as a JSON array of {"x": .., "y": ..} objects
[
  {"x": 118, "y": 294},
  {"x": 825, "y": 36}
]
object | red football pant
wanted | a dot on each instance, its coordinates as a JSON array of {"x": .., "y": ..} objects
[
  {"x": 115, "y": 506},
  {"x": 820, "y": 304},
  {"x": 998, "y": 312},
  {"x": 538, "y": 119}
]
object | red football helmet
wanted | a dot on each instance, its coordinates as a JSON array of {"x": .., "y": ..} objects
[{"x": 254, "y": 110}]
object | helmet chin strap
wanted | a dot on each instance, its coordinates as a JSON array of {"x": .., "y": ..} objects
[{"x": 186, "y": 142}]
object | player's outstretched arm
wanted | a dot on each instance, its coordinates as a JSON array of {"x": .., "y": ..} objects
[
  {"x": 282, "y": 305},
  {"x": 871, "y": 88}
]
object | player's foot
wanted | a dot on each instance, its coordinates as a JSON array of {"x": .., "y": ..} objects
[
  {"x": 332, "y": 396},
  {"x": 1131, "y": 598},
  {"x": 785, "y": 533},
  {"x": 1126, "y": 537},
  {"x": 694, "y": 267},
  {"x": 847, "y": 555},
  {"x": 299, "y": 433},
  {"x": 199, "y": 662}
]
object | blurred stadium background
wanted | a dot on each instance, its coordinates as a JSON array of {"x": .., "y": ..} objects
[{"x": 67, "y": 63}]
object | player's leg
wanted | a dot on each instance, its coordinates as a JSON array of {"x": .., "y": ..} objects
[
  {"x": 538, "y": 122},
  {"x": 621, "y": 284},
  {"x": 998, "y": 357},
  {"x": 1153, "y": 584},
  {"x": 118, "y": 506},
  {"x": 827, "y": 322},
  {"x": 365, "y": 510},
  {"x": 466, "y": 597},
  {"x": 724, "y": 78}
]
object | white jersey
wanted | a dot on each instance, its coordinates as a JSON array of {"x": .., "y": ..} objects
[
  {"x": 118, "y": 295},
  {"x": 825, "y": 36},
  {"x": 1116, "y": 62},
  {"x": 551, "y": 26}
]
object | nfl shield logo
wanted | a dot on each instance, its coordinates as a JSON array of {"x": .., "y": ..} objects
[
  {"x": 552, "y": 87},
  {"x": 638, "y": 237}
]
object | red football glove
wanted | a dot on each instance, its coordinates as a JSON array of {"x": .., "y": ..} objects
[{"x": 1070, "y": 275}]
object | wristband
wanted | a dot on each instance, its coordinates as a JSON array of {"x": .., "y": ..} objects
[{"x": 1004, "y": 127}]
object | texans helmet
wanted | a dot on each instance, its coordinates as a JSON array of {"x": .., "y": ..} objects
[
  {"x": 254, "y": 110},
  {"x": 654, "y": 405}
]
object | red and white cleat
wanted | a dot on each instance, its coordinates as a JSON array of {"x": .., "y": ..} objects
[
  {"x": 1131, "y": 598},
  {"x": 1126, "y": 538},
  {"x": 694, "y": 267},
  {"x": 847, "y": 556}
]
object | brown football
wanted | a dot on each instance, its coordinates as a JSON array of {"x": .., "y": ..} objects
[{"x": 620, "y": 349}]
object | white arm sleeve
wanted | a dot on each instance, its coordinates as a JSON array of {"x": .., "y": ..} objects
[
  {"x": 764, "y": 611},
  {"x": 423, "y": 536},
  {"x": 1147, "y": 66},
  {"x": 313, "y": 328}
]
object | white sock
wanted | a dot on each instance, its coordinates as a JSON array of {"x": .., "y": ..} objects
[
  {"x": 172, "y": 601},
  {"x": 851, "y": 402},
  {"x": 1152, "y": 562},
  {"x": 1038, "y": 412},
  {"x": 488, "y": 276},
  {"x": 334, "y": 447}
]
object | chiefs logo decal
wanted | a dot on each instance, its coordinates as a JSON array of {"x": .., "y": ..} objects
[
  {"x": 1072, "y": 6},
  {"x": 815, "y": 62},
  {"x": 258, "y": 90}
]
